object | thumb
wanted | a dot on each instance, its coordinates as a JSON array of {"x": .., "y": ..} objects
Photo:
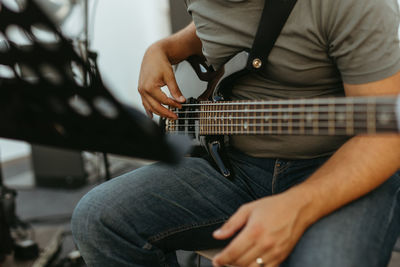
[
  {"x": 234, "y": 224},
  {"x": 173, "y": 88}
]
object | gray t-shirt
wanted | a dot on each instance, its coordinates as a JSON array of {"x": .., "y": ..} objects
[{"x": 323, "y": 44}]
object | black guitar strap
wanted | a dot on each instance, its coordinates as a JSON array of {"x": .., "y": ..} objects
[{"x": 273, "y": 18}]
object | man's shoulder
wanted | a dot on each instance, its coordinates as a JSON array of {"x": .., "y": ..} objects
[
  {"x": 341, "y": 8},
  {"x": 355, "y": 14}
]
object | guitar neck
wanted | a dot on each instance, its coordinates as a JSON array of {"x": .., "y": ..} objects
[{"x": 319, "y": 116}]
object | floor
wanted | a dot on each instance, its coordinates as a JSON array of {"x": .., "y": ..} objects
[{"x": 48, "y": 208}]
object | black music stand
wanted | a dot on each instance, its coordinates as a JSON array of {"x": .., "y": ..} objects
[
  {"x": 50, "y": 95},
  {"x": 44, "y": 99}
]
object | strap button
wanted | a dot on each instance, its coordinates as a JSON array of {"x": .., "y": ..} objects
[{"x": 257, "y": 63}]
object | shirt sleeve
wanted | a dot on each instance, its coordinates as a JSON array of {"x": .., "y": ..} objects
[{"x": 363, "y": 39}]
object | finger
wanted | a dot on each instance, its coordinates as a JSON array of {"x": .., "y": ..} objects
[
  {"x": 158, "y": 109},
  {"x": 173, "y": 87},
  {"x": 271, "y": 256},
  {"x": 147, "y": 107},
  {"x": 235, "y": 222},
  {"x": 232, "y": 253},
  {"x": 164, "y": 99},
  {"x": 267, "y": 262},
  {"x": 249, "y": 257}
]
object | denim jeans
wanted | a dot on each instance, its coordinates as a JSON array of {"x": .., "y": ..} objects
[{"x": 141, "y": 218}]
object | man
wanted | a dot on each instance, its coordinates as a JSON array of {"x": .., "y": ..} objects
[{"x": 294, "y": 201}]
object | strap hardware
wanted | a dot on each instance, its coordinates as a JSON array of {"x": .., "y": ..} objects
[{"x": 257, "y": 63}]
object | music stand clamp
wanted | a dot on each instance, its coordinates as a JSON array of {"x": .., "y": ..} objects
[{"x": 44, "y": 99}]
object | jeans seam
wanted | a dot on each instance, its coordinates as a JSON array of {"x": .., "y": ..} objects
[{"x": 176, "y": 230}]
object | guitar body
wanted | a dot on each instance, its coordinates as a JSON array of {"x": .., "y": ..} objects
[{"x": 201, "y": 83}]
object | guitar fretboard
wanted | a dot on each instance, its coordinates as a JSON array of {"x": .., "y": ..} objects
[{"x": 328, "y": 116}]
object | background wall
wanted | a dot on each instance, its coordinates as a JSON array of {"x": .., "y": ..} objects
[{"x": 123, "y": 29}]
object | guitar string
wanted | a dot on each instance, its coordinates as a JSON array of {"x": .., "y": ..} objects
[
  {"x": 305, "y": 101},
  {"x": 320, "y": 124},
  {"x": 358, "y": 124},
  {"x": 326, "y": 130},
  {"x": 305, "y": 109},
  {"x": 286, "y": 118}
]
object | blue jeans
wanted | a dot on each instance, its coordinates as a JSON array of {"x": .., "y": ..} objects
[{"x": 141, "y": 218}]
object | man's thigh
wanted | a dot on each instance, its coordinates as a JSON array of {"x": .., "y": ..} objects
[
  {"x": 362, "y": 233},
  {"x": 169, "y": 206}
]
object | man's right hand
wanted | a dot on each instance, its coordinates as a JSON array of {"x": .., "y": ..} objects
[{"x": 156, "y": 71}]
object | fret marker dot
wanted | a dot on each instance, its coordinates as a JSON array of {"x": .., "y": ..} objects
[
  {"x": 341, "y": 117},
  {"x": 246, "y": 125},
  {"x": 309, "y": 117},
  {"x": 384, "y": 118},
  {"x": 286, "y": 117},
  {"x": 266, "y": 118},
  {"x": 230, "y": 117}
]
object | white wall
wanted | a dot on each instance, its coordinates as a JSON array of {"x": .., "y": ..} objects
[{"x": 123, "y": 30}]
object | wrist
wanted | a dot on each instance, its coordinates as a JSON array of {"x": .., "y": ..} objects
[{"x": 309, "y": 209}]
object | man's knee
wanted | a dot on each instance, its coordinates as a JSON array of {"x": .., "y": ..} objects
[{"x": 87, "y": 217}]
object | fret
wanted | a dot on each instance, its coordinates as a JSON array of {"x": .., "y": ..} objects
[
  {"x": 231, "y": 115},
  {"x": 227, "y": 115},
  {"x": 209, "y": 122},
  {"x": 220, "y": 121},
  {"x": 256, "y": 128},
  {"x": 290, "y": 120},
  {"x": 226, "y": 122},
  {"x": 302, "y": 117},
  {"x": 262, "y": 118},
  {"x": 349, "y": 118},
  {"x": 270, "y": 119},
  {"x": 224, "y": 115},
  {"x": 235, "y": 121},
  {"x": 331, "y": 116},
  {"x": 247, "y": 113},
  {"x": 315, "y": 117},
  {"x": 280, "y": 120},
  {"x": 201, "y": 119},
  {"x": 371, "y": 116},
  {"x": 205, "y": 120},
  {"x": 241, "y": 120},
  {"x": 215, "y": 121}
]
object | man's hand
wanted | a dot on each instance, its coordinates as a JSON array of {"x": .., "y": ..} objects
[
  {"x": 269, "y": 229},
  {"x": 156, "y": 72}
]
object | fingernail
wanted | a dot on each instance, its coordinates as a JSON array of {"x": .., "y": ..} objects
[
  {"x": 217, "y": 232},
  {"x": 181, "y": 99}
]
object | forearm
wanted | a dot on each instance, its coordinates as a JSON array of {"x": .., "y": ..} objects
[
  {"x": 180, "y": 45},
  {"x": 358, "y": 167}
]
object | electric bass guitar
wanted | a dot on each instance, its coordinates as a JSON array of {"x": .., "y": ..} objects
[{"x": 209, "y": 118}]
